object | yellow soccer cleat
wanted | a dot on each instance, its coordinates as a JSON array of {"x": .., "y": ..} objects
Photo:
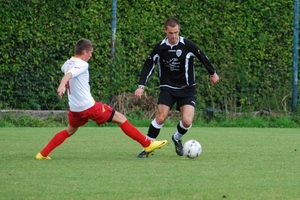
[
  {"x": 155, "y": 145},
  {"x": 39, "y": 156}
]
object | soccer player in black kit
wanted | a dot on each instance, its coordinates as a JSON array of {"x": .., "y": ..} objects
[{"x": 174, "y": 57}]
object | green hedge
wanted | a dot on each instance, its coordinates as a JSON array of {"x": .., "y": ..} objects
[{"x": 249, "y": 43}]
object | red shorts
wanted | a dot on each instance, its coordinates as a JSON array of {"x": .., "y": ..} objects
[{"x": 100, "y": 113}]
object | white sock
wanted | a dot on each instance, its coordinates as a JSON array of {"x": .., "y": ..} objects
[
  {"x": 150, "y": 138},
  {"x": 177, "y": 136}
]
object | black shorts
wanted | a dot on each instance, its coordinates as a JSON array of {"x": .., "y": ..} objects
[{"x": 181, "y": 97}]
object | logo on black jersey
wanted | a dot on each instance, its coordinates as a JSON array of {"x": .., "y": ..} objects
[
  {"x": 149, "y": 57},
  {"x": 178, "y": 52},
  {"x": 172, "y": 64}
]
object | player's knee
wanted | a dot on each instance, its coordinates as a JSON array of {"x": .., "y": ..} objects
[
  {"x": 119, "y": 118},
  {"x": 160, "y": 120},
  {"x": 71, "y": 130},
  {"x": 187, "y": 124}
]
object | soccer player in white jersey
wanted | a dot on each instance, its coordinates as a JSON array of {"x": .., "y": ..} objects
[
  {"x": 174, "y": 56},
  {"x": 83, "y": 107}
]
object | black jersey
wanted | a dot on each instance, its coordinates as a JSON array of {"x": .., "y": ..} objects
[{"x": 175, "y": 63}]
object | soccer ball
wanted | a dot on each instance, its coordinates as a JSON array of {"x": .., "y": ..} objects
[{"x": 192, "y": 149}]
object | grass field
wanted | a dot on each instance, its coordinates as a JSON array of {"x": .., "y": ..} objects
[{"x": 101, "y": 163}]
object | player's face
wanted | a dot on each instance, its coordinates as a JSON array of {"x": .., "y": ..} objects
[
  {"x": 172, "y": 34},
  {"x": 88, "y": 54}
]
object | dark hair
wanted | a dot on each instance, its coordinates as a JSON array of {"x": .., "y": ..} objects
[
  {"x": 83, "y": 44},
  {"x": 172, "y": 22}
]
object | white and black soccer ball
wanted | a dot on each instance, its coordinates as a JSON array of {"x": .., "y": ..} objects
[{"x": 192, "y": 149}]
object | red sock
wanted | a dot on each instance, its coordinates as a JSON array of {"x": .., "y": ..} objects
[
  {"x": 134, "y": 133},
  {"x": 59, "y": 138}
]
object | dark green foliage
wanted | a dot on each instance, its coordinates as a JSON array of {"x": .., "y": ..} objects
[{"x": 249, "y": 42}]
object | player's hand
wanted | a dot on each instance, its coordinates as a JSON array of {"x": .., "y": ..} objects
[
  {"x": 61, "y": 91},
  {"x": 214, "y": 79},
  {"x": 139, "y": 92}
]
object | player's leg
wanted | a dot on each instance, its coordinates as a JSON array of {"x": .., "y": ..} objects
[
  {"x": 187, "y": 115},
  {"x": 135, "y": 134},
  {"x": 75, "y": 121},
  {"x": 186, "y": 105},
  {"x": 157, "y": 123},
  {"x": 102, "y": 113},
  {"x": 57, "y": 140},
  {"x": 165, "y": 102},
  {"x": 155, "y": 126}
]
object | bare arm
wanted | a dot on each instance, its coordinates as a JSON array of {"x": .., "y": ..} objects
[{"x": 62, "y": 86}]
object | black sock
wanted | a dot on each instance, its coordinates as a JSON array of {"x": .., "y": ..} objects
[
  {"x": 181, "y": 130},
  {"x": 153, "y": 132}
]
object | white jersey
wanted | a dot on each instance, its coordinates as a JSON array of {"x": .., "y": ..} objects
[{"x": 79, "y": 94}]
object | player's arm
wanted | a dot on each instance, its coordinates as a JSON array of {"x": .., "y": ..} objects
[
  {"x": 149, "y": 65},
  {"x": 62, "y": 86},
  {"x": 205, "y": 61},
  {"x": 146, "y": 72},
  {"x": 214, "y": 78}
]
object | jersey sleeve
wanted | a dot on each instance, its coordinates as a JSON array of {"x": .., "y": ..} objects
[
  {"x": 203, "y": 59},
  {"x": 149, "y": 65},
  {"x": 79, "y": 68}
]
